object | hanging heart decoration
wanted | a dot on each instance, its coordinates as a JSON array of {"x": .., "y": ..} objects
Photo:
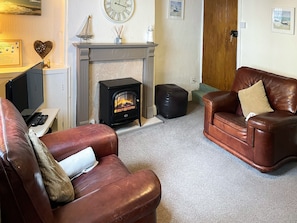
[{"x": 43, "y": 48}]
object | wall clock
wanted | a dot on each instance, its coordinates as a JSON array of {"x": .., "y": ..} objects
[{"x": 118, "y": 11}]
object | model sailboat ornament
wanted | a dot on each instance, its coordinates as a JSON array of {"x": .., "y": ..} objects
[{"x": 86, "y": 32}]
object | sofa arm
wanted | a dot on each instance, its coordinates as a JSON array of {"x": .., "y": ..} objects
[
  {"x": 127, "y": 200},
  {"x": 101, "y": 138},
  {"x": 273, "y": 121},
  {"x": 273, "y": 137},
  {"x": 218, "y": 101},
  {"x": 221, "y": 101}
]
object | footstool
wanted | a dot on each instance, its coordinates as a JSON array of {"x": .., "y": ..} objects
[{"x": 171, "y": 100}]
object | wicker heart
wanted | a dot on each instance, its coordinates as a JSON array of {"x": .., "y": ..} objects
[{"x": 43, "y": 48}]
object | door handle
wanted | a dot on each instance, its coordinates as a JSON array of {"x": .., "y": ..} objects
[{"x": 233, "y": 33}]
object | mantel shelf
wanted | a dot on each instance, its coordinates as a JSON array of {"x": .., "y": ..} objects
[{"x": 114, "y": 45}]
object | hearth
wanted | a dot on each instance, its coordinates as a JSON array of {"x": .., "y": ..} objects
[{"x": 119, "y": 101}]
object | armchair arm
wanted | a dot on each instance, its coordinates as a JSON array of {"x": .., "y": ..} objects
[
  {"x": 101, "y": 138},
  {"x": 273, "y": 121},
  {"x": 273, "y": 136},
  {"x": 121, "y": 201},
  {"x": 221, "y": 101},
  {"x": 218, "y": 101}
]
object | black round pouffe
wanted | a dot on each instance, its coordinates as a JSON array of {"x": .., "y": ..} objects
[{"x": 171, "y": 100}]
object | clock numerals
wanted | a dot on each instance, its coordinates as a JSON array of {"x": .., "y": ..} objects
[
  {"x": 112, "y": 14},
  {"x": 122, "y": 16},
  {"x": 108, "y": 10},
  {"x": 107, "y": 4},
  {"x": 117, "y": 16},
  {"x": 127, "y": 11}
]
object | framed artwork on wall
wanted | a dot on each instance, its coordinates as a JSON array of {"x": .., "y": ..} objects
[
  {"x": 21, "y": 7},
  {"x": 283, "y": 20},
  {"x": 10, "y": 53},
  {"x": 176, "y": 9}
]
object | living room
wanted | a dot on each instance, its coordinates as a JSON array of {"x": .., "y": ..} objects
[{"x": 239, "y": 193}]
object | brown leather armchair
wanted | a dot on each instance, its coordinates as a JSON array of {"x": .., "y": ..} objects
[
  {"x": 108, "y": 193},
  {"x": 265, "y": 141}
]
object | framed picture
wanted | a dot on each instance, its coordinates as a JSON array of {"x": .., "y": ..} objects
[
  {"x": 283, "y": 20},
  {"x": 10, "y": 53},
  {"x": 21, "y": 7},
  {"x": 176, "y": 9}
]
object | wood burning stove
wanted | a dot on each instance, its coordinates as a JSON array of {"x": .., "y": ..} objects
[{"x": 119, "y": 101}]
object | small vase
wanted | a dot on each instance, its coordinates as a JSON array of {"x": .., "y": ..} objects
[{"x": 118, "y": 40}]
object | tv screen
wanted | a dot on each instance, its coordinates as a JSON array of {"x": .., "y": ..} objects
[{"x": 26, "y": 91}]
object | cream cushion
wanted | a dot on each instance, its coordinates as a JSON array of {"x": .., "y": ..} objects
[
  {"x": 55, "y": 180},
  {"x": 254, "y": 100},
  {"x": 79, "y": 163}
]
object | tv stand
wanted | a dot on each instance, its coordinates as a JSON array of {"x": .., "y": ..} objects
[{"x": 52, "y": 113}]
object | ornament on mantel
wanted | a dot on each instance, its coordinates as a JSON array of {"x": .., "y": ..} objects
[
  {"x": 43, "y": 49},
  {"x": 86, "y": 33},
  {"x": 150, "y": 34}
]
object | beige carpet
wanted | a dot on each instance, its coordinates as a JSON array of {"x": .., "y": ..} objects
[
  {"x": 133, "y": 126},
  {"x": 201, "y": 182}
]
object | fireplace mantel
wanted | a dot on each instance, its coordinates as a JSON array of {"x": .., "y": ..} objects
[{"x": 92, "y": 52}]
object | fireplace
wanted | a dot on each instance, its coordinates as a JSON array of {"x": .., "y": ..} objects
[
  {"x": 95, "y": 52},
  {"x": 119, "y": 101}
]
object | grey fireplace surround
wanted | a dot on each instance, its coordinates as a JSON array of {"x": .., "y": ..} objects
[{"x": 92, "y": 52}]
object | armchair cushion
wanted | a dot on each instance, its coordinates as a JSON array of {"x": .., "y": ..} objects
[
  {"x": 55, "y": 180},
  {"x": 254, "y": 99},
  {"x": 79, "y": 163}
]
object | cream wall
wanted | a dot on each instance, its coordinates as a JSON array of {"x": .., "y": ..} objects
[
  {"x": 48, "y": 26},
  {"x": 178, "y": 56},
  {"x": 134, "y": 29},
  {"x": 260, "y": 47}
]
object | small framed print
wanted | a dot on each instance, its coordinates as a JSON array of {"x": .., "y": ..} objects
[
  {"x": 283, "y": 20},
  {"x": 176, "y": 9},
  {"x": 10, "y": 53}
]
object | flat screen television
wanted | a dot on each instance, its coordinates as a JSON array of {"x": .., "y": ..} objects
[{"x": 26, "y": 91}]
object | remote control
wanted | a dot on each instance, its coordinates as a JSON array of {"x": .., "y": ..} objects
[
  {"x": 43, "y": 119},
  {"x": 36, "y": 121}
]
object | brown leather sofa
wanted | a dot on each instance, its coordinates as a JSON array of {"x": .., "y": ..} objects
[
  {"x": 265, "y": 141},
  {"x": 108, "y": 193}
]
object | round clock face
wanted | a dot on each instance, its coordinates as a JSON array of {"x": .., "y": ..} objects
[{"x": 118, "y": 10}]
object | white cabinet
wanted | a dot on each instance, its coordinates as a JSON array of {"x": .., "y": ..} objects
[{"x": 56, "y": 94}]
